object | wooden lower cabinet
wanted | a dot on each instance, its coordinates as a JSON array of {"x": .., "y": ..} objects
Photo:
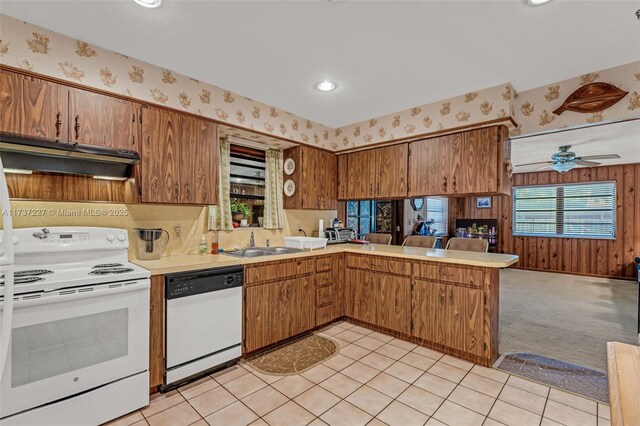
[
  {"x": 360, "y": 295},
  {"x": 394, "y": 302},
  {"x": 278, "y": 310},
  {"x": 449, "y": 315},
  {"x": 156, "y": 331}
]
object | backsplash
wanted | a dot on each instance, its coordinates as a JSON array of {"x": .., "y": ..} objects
[{"x": 191, "y": 219}]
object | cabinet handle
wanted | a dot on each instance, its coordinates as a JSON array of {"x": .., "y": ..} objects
[
  {"x": 188, "y": 192},
  {"x": 443, "y": 273},
  {"x": 177, "y": 192},
  {"x": 288, "y": 293},
  {"x": 77, "y": 127},
  {"x": 455, "y": 186},
  {"x": 441, "y": 297},
  {"x": 444, "y": 184},
  {"x": 58, "y": 124},
  {"x": 451, "y": 297}
]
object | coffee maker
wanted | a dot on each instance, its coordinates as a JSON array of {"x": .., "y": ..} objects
[{"x": 150, "y": 243}]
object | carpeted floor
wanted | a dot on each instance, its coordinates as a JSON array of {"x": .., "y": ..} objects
[{"x": 566, "y": 317}]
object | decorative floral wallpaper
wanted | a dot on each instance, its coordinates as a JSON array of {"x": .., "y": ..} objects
[
  {"x": 534, "y": 107},
  {"x": 32, "y": 48},
  {"x": 471, "y": 108}
]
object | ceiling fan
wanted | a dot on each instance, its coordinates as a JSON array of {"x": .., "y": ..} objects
[{"x": 565, "y": 160}]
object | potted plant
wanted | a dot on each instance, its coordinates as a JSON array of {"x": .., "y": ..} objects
[{"x": 240, "y": 211}]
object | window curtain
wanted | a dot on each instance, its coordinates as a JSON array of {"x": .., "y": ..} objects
[
  {"x": 273, "y": 215},
  {"x": 220, "y": 215}
]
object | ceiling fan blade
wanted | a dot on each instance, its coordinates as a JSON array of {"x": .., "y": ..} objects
[
  {"x": 587, "y": 163},
  {"x": 546, "y": 166},
  {"x": 599, "y": 157},
  {"x": 533, "y": 164}
]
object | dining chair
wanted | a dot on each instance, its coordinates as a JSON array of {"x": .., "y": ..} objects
[
  {"x": 378, "y": 238},
  {"x": 422, "y": 241},
  {"x": 468, "y": 244}
]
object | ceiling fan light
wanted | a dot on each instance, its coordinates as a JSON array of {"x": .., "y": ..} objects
[
  {"x": 562, "y": 167},
  {"x": 536, "y": 2},
  {"x": 149, "y": 3}
]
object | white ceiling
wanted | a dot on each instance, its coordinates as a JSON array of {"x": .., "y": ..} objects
[
  {"x": 617, "y": 138},
  {"x": 385, "y": 56}
]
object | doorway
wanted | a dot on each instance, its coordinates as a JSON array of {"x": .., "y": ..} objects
[{"x": 377, "y": 216}]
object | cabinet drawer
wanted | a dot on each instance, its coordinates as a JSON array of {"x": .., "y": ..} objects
[
  {"x": 324, "y": 296},
  {"x": 379, "y": 264},
  {"x": 323, "y": 315},
  {"x": 324, "y": 278},
  {"x": 259, "y": 273},
  {"x": 454, "y": 274},
  {"x": 324, "y": 263}
]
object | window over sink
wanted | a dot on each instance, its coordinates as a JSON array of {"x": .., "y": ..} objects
[{"x": 247, "y": 176}]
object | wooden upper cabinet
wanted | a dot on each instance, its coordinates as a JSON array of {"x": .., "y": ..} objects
[
  {"x": 33, "y": 107},
  {"x": 361, "y": 172},
  {"x": 180, "y": 157},
  {"x": 343, "y": 177},
  {"x": 376, "y": 173},
  {"x": 315, "y": 177},
  {"x": 160, "y": 168},
  {"x": 97, "y": 119},
  {"x": 199, "y": 152},
  {"x": 391, "y": 171},
  {"x": 472, "y": 162}
]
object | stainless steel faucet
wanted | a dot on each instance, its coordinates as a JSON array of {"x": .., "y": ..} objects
[{"x": 252, "y": 241}]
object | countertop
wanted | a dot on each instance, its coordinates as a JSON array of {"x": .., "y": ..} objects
[{"x": 170, "y": 264}]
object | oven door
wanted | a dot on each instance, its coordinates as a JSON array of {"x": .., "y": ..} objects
[{"x": 73, "y": 340}]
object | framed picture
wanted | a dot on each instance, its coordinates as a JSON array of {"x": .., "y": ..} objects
[
  {"x": 417, "y": 203},
  {"x": 483, "y": 202}
]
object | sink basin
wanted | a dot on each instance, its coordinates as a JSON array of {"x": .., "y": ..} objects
[{"x": 262, "y": 251}]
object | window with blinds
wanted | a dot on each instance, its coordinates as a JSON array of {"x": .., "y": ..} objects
[
  {"x": 581, "y": 210},
  {"x": 438, "y": 210}
]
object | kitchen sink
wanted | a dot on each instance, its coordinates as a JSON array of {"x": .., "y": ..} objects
[{"x": 262, "y": 251}]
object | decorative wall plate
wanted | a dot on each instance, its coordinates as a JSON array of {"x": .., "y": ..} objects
[
  {"x": 591, "y": 98},
  {"x": 289, "y": 188},
  {"x": 289, "y": 166}
]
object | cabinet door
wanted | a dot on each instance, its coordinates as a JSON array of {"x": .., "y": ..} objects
[
  {"x": 338, "y": 287},
  {"x": 33, "y": 107},
  {"x": 260, "y": 305},
  {"x": 394, "y": 296},
  {"x": 427, "y": 164},
  {"x": 301, "y": 305},
  {"x": 455, "y": 332},
  {"x": 96, "y": 119},
  {"x": 360, "y": 295},
  {"x": 473, "y": 321},
  {"x": 160, "y": 168},
  {"x": 328, "y": 181},
  {"x": 310, "y": 183},
  {"x": 480, "y": 173},
  {"x": 391, "y": 168},
  {"x": 424, "y": 295},
  {"x": 343, "y": 177},
  {"x": 199, "y": 159},
  {"x": 454, "y": 147},
  {"x": 361, "y": 175}
]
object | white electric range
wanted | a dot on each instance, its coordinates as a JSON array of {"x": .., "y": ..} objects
[{"x": 78, "y": 350}]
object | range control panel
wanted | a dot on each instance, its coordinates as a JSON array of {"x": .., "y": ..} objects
[{"x": 205, "y": 281}]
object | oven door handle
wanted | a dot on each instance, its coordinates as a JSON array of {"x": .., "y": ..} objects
[{"x": 62, "y": 296}]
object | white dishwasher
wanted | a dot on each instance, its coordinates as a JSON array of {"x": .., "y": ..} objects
[{"x": 203, "y": 321}]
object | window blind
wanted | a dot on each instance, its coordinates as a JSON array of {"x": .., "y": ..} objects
[
  {"x": 581, "y": 210},
  {"x": 438, "y": 210}
]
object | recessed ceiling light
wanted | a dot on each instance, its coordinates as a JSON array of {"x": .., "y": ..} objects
[
  {"x": 536, "y": 2},
  {"x": 326, "y": 86},
  {"x": 149, "y": 3}
]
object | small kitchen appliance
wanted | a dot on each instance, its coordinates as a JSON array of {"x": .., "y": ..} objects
[
  {"x": 151, "y": 242},
  {"x": 339, "y": 235},
  {"x": 79, "y": 331}
]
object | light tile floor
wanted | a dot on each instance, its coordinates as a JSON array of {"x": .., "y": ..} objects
[{"x": 374, "y": 380}]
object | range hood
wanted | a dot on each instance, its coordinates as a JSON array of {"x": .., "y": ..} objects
[{"x": 26, "y": 154}]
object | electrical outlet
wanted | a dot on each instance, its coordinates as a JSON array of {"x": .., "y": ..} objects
[{"x": 177, "y": 231}]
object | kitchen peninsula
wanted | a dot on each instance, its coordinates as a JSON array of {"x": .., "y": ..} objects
[{"x": 446, "y": 300}]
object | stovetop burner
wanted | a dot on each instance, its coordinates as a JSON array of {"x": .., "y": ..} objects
[
  {"x": 107, "y": 265},
  {"x": 23, "y": 280},
  {"x": 31, "y": 272},
  {"x": 110, "y": 271}
]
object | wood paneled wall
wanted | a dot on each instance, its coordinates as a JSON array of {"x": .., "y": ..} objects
[{"x": 607, "y": 258}]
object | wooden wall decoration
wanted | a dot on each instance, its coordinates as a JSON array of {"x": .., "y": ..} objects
[
  {"x": 591, "y": 98},
  {"x": 605, "y": 258}
]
